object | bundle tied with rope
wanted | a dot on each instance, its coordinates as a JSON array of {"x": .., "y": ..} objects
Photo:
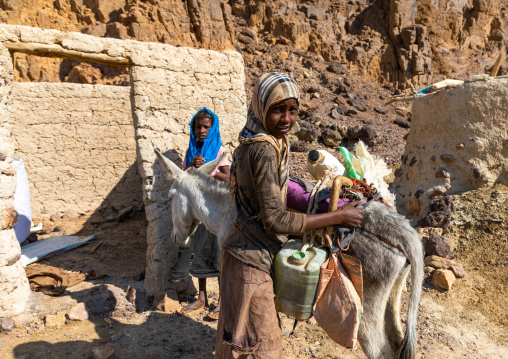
[{"x": 310, "y": 237}]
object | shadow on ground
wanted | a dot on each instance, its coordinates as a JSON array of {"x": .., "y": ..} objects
[{"x": 160, "y": 335}]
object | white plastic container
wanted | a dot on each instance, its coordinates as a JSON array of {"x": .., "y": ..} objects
[{"x": 318, "y": 160}]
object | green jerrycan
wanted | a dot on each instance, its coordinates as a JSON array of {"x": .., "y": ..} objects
[{"x": 296, "y": 276}]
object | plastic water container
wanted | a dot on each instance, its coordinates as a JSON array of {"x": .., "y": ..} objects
[
  {"x": 318, "y": 159},
  {"x": 295, "y": 280}
]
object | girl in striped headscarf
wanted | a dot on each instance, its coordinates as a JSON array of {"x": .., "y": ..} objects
[{"x": 248, "y": 325}]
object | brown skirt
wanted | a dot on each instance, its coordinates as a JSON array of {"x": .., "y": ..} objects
[{"x": 248, "y": 326}]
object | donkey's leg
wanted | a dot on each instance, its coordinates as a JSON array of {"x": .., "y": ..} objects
[
  {"x": 393, "y": 326},
  {"x": 371, "y": 334},
  {"x": 381, "y": 267},
  {"x": 379, "y": 278}
]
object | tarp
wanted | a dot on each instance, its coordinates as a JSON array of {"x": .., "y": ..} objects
[{"x": 51, "y": 246}]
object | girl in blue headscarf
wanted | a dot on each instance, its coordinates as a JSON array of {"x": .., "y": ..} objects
[
  {"x": 201, "y": 258},
  {"x": 205, "y": 143}
]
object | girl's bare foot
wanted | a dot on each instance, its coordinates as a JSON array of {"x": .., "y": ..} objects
[
  {"x": 192, "y": 307},
  {"x": 214, "y": 314}
]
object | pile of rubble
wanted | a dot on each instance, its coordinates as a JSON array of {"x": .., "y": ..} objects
[{"x": 438, "y": 249}]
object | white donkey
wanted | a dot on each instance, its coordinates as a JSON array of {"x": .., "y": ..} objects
[{"x": 198, "y": 197}]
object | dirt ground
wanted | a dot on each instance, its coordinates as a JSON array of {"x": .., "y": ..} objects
[{"x": 468, "y": 321}]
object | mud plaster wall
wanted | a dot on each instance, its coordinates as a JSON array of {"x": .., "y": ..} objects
[
  {"x": 168, "y": 85},
  {"x": 14, "y": 290},
  {"x": 78, "y": 145},
  {"x": 165, "y": 99},
  {"x": 458, "y": 142}
]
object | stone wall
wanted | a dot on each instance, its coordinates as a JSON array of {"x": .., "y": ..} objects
[
  {"x": 458, "y": 142},
  {"x": 168, "y": 85},
  {"x": 78, "y": 145},
  {"x": 14, "y": 290}
]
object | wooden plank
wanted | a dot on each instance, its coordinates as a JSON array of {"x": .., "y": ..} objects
[{"x": 55, "y": 50}]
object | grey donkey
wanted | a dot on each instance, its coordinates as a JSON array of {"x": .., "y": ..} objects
[{"x": 198, "y": 197}]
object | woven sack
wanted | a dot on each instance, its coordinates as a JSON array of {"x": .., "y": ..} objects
[{"x": 337, "y": 308}]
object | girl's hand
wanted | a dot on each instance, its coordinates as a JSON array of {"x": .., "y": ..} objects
[
  {"x": 197, "y": 161},
  {"x": 348, "y": 215}
]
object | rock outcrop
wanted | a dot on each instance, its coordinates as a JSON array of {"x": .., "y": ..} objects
[
  {"x": 403, "y": 42},
  {"x": 204, "y": 23}
]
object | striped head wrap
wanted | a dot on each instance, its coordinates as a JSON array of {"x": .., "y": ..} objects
[{"x": 270, "y": 88}]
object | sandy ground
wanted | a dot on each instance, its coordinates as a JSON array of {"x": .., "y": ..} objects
[{"x": 469, "y": 321}]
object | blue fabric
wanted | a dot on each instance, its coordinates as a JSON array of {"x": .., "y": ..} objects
[
  {"x": 211, "y": 145},
  {"x": 425, "y": 90}
]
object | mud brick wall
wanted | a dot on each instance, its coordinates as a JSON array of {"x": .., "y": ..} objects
[
  {"x": 165, "y": 99},
  {"x": 14, "y": 290},
  {"x": 458, "y": 142},
  {"x": 168, "y": 85},
  {"x": 77, "y": 142}
]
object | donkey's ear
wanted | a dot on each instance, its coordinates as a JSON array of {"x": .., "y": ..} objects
[
  {"x": 172, "y": 170},
  {"x": 210, "y": 167}
]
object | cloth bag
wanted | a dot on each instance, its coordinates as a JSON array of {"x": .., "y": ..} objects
[{"x": 338, "y": 307}]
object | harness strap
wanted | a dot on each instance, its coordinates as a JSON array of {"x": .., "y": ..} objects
[{"x": 386, "y": 241}]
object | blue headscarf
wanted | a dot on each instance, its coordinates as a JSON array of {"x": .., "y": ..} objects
[{"x": 211, "y": 145}]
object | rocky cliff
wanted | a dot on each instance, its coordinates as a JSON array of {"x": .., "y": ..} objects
[{"x": 403, "y": 42}]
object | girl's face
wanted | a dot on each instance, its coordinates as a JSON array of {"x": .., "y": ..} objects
[
  {"x": 281, "y": 117},
  {"x": 202, "y": 128}
]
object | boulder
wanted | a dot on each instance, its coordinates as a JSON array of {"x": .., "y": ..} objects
[
  {"x": 403, "y": 111},
  {"x": 308, "y": 132},
  {"x": 337, "y": 68},
  {"x": 283, "y": 55},
  {"x": 443, "y": 278},
  {"x": 437, "y": 245},
  {"x": 101, "y": 300},
  {"x": 138, "y": 297},
  {"x": 402, "y": 122},
  {"x": 166, "y": 302},
  {"x": 103, "y": 352},
  {"x": 331, "y": 138},
  {"x": 443, "y": 263},
  {"x": 336, "y": 114},
  {"x": 78, "y": 312},
  {"x": 54, "y": 320},
  {"x": 355, "y": 101},
  {"x": 298, "y": 146},
  {"x": 440, "y": 213},
  {"x": 6, "y": 324}
]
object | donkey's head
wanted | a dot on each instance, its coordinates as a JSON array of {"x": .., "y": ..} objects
[{"x": 183, "y": 214}]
